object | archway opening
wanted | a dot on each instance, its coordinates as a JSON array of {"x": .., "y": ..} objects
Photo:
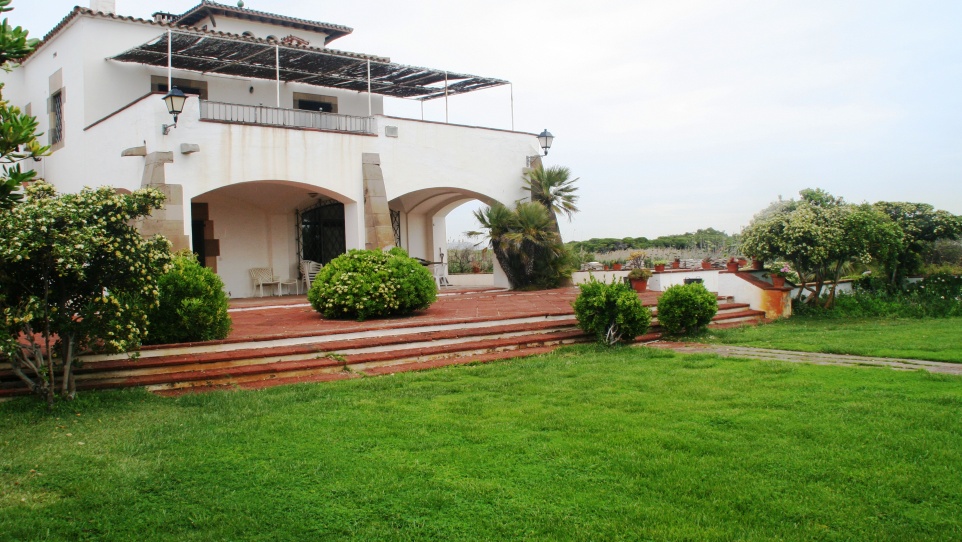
[{"x": 268, "y": 224}]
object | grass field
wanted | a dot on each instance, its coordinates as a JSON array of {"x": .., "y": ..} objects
[
  {"x": 583, "y": 444},
  {"x": 937, "y": 339}
]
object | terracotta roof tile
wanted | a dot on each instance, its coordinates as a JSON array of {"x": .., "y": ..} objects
[{"x": 199, "y": 11}]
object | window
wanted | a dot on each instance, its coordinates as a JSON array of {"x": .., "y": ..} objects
[
  {"x": 56, "y": 118},
  {"x": 189, "y": 87},
  {"x": 315, "y": 102}
]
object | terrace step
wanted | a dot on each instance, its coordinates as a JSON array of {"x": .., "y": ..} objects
[{"x": 178, "y": 369}]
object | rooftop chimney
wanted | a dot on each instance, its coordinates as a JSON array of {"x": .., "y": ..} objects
[{"x": 105, "y": 6}]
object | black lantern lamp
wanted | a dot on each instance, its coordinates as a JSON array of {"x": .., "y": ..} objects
[
  {"x": 545, "y": 138},
  {"x": 175, "y": 100}
]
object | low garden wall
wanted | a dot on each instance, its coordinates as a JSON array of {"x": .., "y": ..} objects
[{"x": 471, "y": 279}]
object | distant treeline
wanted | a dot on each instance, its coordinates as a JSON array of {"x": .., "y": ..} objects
[{"x": 706, "y": 239}]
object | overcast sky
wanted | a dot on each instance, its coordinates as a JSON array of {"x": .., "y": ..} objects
[{"x": 678, "y": 115}]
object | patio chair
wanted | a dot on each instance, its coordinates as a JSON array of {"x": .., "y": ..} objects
[
  {"x": 262, "y": 276},
  {"x": 309, "y": 270}
]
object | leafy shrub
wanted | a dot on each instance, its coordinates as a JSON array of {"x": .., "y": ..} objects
[
  {"x": 687, "y": 307},
  {"x": 192, "y": 305},
  {"x": 370, "y": 283},
  {"x": 611, "y": 312},
  {"x": 936, "y": 296}
]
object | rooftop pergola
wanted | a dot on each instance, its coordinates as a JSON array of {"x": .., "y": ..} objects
[{"x": 240, "y": 56}]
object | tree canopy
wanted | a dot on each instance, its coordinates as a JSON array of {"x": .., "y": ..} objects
[
  {"x": 18, "y": 137},
  {"x": 554, "y": 188},
  {"x": 707, "y": 238},
  {"x": 921, "y": 226},
  {"x": 75, "y": 276},
  {"x": 523, "y": 240},
  {"x": 819, "y": 234}
]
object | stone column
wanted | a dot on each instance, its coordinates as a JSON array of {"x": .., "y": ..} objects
[
  {"x": 168, "y": 221},
  {"x": 378, "y": 232}
]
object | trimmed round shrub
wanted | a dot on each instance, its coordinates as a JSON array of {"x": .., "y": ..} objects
[
  {"x": 687, "y": 308},
  {"x": 192, "y": 305},
  {"x": 611, "y": 312},
  {"x": 366, "y": 284}
]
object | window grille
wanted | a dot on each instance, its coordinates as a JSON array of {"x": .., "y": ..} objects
[
  {"x": 322, "y": 231},
  {"x": 396, "y": 225},
  {"x": 56, "y": 119}
]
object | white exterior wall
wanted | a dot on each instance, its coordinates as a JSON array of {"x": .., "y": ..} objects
[
  {"x": 740, "y": 290},
  {"x": 82, "y": 50},
  {"x": 435, "y": 155},
  {"x": 108, "y": 109},
  {"x": 662, "y": 281}
]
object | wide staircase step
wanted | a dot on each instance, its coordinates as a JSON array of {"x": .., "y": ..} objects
[{"x": 178, "y": 369}]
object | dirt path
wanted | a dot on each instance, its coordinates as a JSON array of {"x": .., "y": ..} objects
[{"x": 811, "y": 357}]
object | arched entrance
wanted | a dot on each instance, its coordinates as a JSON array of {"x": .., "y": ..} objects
[
  {"x": 423, "y": 226},
  {"x": 271, "y": 224}
]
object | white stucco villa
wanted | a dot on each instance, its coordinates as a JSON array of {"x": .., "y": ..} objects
[{"x": 283, "y": 151}]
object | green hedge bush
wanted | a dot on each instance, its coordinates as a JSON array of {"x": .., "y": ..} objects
[
  {"x": 611, "y": 312},
  {"x": 192, "y": 305},
  {"x": 687, "y": 308},
  {"x": 366, "y": 284},
  {"x": 936, "y": 296}
]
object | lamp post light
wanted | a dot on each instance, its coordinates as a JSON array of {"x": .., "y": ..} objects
[
  {"x": 545, "y": 138},
  {"x": 175, "y": 100}
]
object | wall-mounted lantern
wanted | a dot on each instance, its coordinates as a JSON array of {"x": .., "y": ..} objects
[
  {"x": 175, "y": 100},
  {"x": 545, "y": 138}
]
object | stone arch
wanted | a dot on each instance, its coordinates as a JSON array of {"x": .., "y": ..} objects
[
  {"x": 422, "y": 214},
  {"x": 256, "y": 224}
]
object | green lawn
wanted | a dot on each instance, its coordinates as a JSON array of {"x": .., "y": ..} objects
[
  {"x": 937, "y": 339},
  {"x": 583, "y": 444}
]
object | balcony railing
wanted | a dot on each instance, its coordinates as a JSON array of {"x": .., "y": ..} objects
[{"x": 286, "y": 118}]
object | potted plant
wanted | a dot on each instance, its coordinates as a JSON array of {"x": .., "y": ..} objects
[
  {"x": 778, "y": 277},
  {"x": 660, "y": 265},
  {"x": 616, "y": 265},
  {"x": 637, "y": 259},
  {"x": 732, "y": 265},
  {"x": 676, "y": 263},
  {"x": 639, "y": 279},
  {"x": 757, "y": 264},
  {"x": 706, "y": 263},
  {"x": 742, "y": 262}
]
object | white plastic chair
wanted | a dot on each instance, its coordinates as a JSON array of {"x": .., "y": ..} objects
[
  {"x": 262, "y": 276},
  {"x": 309, "y": 270}
]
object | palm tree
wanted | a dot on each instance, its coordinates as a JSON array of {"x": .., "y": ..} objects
[
  {"x": 553, "y": 188},
  {"x": 533, "y": 237},
  {"x": 529, "y": 251}
]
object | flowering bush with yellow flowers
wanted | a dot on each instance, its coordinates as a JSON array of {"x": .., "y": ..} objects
[
  {"x": 75, "y": 277},
  {"x": 366, "y": 284}
]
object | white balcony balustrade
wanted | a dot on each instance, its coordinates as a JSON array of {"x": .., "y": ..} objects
[{"x": 259, "y": 115}]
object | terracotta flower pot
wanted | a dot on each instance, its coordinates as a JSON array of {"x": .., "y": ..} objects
[
  {"x": 778, "y": 282},
  {"x": 640, "y": 286},
  {"x": 757, "y": 265},
  {"x": 617, "y": 267},
  {"x": 742, "y": 262},
  {"x": 705, "y": 265},
  {"x": 732, "y": 266},
  {"x": 660, "y": 268},
  {"x": 676, "y": 264}
]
